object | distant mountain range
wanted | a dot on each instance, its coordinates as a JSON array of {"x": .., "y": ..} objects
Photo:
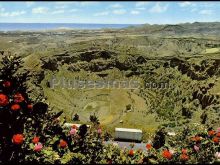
[
  {"x": 183, "y": 28},
  {"x": 196, "y": 28},
  {"x": 54, "y": 26}
]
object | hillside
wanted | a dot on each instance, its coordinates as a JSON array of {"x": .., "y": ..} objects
[{"x": 196, "y": 28}]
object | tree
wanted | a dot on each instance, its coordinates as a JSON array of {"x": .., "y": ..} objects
[
  {"x": 94, "y": 119},
  {"x": 21, "y": 119},
  {"x": 76, "y": 117},
  {"x": 159, "y": 139}
]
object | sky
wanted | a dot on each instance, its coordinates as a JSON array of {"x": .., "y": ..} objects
[{"x": 109, "y": 12}]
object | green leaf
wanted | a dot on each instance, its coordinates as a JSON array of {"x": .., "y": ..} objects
[{"x": 153, "y": 161}]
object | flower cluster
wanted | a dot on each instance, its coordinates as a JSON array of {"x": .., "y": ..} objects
[{"x": 15, "y": 103}]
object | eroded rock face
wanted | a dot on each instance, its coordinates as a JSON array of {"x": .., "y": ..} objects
[
  {"x": 196, "y": 72},
  {"x": 101, "y": 60},
  {"x": 50, "y": 64},
  {"x": 94, "y": 61},
  {"x": 101, "y": 65},
  {"x": 141, "y": 60},
  {"x": 176, "y": 62},
  {"x": 67, "y": 59},
  {"x": 92, "y": 55},
  {"x": 204, "y": 99},
  {"x": 91, "y": 60},
  {"x": 94, "y": 66}
]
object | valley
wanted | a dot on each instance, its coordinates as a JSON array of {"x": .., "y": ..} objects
[{"x": 189, "y": 60}]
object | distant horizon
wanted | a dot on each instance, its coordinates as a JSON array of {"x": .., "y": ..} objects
[
  {"x": 55, "y": 26},
  {"x": 18, "y": 26},
  {"x": 67, "y": 23}
]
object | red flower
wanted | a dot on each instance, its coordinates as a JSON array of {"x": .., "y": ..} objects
[
  {"x": 131, "y": 152},
  {"x": 148, "y": 146},
  {"x": 18, "y": 98},
  {"x": 218, "y": 134},
  {"x": 211, "y": 133},
  {"x": 184, "y": 151},
  {"x": 3, "y": 100},
  {"x": 63, "y": 144},
  {"x": 35, "y": 140},
  {"x": 29, "y": 106},
  {"x": 196, "y": 139},
  {"x": 15, "y": 107},
  {"x": 215, "y": 140},
  {"x": 184, "y": 157},
  {"x": 18, "y": 139},
  {"x": 167, "y": 154},
  {"x": 6, "y": 84},
  {"x": 74, "y": 126}
]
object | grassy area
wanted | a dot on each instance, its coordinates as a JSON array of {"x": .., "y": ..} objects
[{"x": 212, "y": 50}]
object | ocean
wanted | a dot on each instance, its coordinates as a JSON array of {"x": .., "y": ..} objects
[{"x": 50, "y": 26}]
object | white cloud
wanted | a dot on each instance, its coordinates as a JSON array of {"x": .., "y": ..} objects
[
  {"x": 74, "y": 10},
  {"x": 101, "y": 13},
  {"x": 17, "y": 13},
  {"x": 206, "y": 12},
  {"x": 11, "y": 14},
  {"x": 135, "y": 12},
  {"x": 116, "y": 5},
  {"x": 157, "y": 8},
  {"x": 58, "y": 12},
  {"x": 185, "y": 4},
  {"x": 40, "y": 10},
  {"x": 192, "y": 7},
  {"x": 3, "y": 14},
  {"x": 140, "y": 8},
  {"x": 119, "y": 11},
  {"x": 29, "y": 4},
  {"x": 61, "y": 7},
  {"x": 140, "y": 4}
]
